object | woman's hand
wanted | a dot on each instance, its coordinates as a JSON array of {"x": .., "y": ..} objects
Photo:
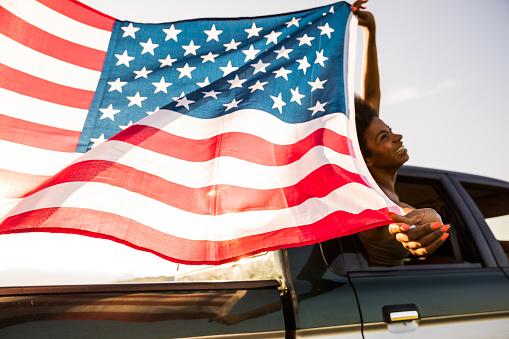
[
  {"x": 366, "y": 19},
  {"x": 428, "y": 234}
]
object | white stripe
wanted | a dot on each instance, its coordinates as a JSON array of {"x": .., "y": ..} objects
[
  {"x": 6, "y": 205},
  {"x": 27, "y": 60},
  {"x": 32, "y": 160},
  {"x": 221, "y": 170},
  {"x": 41, "y": 112},
  {"x": 251, "y": 121},
  {"x": 57, "y": 24},
  {"x": 352, "y": 198}
]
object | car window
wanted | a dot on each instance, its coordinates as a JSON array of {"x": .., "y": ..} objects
[{"x": 493, "y": 203}]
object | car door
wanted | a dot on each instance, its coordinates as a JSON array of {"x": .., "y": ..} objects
[{"x": 458, "y": 292}]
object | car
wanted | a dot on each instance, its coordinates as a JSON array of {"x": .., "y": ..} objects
[{"x": 325, "y": 290}]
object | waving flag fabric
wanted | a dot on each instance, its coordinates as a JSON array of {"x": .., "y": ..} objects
[{"x": 224, "y": 137}]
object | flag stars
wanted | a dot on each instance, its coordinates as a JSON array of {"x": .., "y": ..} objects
[
  {"x": 184, "y": 101},
  {"x": 260, "y": 66},
  {"x": 320, "y": 58},
  {"x": 171, "y": 33},
  {"x": 317, "y": 84},
  {"x": 116, "y": 85},
  {"x": 161, "y": 86},
  {"x": 97, "y": 141},
  {"x": 278, "y": 103},
  {"x": 236, "y": 82},
  {"x": 305, "y": 40},
  {"x": 150, "y": 113},
  {"x": 209, "y": 57},
  {"x": 142, "y": 74},
  {"x": 205, "y": 82},
  {"x": 108, "y": 112},
  {"x": 325, "y": 29},
  {"x": 129, "y": 124},
  {"x": 319, "y": 107},
  {"x": 258, "y": 86},
  {"x": 253, "y": 31},
  {"x": 293, "y": 22},
  {"x": 296, "y": 96},
  {"x": 148, "y": 47},
  {"x": 185, "y": 71},
  {"x": 168, "y": 61},
  {"x": 283, "y": 52},
  {"x": 303, "y": 64},
  {"x": 231, "y": 45},
  {"x": 130, "y": 31},
  {"x": 213, "y": 33},
  {"x": 233, "y": 104},
  {"x": 123, "y": 59},
  {"x": 228, "y": 69},
  {"x": 282, "y": 72},
  {"x": 211, "y": 94},
  {"x": 272, "y": 37},
  {"x": 136, "y": 100},
  {"x": 250, "y": 53},
  {"x": 191, "y": 48}
]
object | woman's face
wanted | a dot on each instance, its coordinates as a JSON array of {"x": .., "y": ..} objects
[{"x": 387, "y": 150}]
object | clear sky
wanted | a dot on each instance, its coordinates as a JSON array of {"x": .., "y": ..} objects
[{"x": 444, "y": 80}]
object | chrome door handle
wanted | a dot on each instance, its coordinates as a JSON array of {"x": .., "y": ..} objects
[{"x": 403, "y": 312}]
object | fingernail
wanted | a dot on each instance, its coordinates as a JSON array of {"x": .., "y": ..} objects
[
  {"x": 445, "y": 228},
  {"x": 405, "y": 228},
  {"x": 354, "y": 9},
  {"x": 445, "y": 236},
  {"x": 436, "y": 225}
]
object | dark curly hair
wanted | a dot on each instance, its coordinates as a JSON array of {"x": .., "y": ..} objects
[{"x": 364, "y": 115}]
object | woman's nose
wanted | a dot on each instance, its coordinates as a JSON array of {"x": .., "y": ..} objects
[{"x": 397, "y": 137}]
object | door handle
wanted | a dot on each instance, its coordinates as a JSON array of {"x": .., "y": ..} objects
[{"x": 403, "y": 312}]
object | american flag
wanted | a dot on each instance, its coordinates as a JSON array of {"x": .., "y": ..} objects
[{"x": 201, "y": 141}]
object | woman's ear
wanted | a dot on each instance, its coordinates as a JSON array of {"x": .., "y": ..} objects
[{"x": 368, "y": 163}]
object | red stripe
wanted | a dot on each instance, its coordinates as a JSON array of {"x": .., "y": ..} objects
[
  {"x": 104, "y": 225},
  {"x": 26, "y": 84},
  {"x": 37, "y": 135},
  {"x": 82, "y": 13},
  {"x": 209, "y": 200},
  {"x": 18, "y": 185},
  {"x": 49, "y": 44},
  {"x": 232, "y": 144}
]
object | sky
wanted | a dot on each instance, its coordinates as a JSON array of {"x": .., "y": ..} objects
[{"x": 444, "y": 82}]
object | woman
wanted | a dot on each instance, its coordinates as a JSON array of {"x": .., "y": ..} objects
[{"x": 384, "y": 154}]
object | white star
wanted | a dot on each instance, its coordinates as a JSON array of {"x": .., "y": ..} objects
[
  {"x": 231, "y": 45},
  {"x": 305, "y": 40},
  {"x": 259, "y": 85},
  {"x": 331, "y": 10},
  {"x": 205, "y": 82},
  {"x": 183, "y": 101},
  {"x": 171, "y": 33},
  {"x": 250, "y": 53},
  {"x": 292, "y": 22},
  {"x": 296, "y": 96},
  {"x": 236, "y": 82},
  {"x": 228, "y": 69},
  {"x": 190, "y": 49},
  {"x": 97, "y": 141},
  {"x": 181, "y": 96},
  {"x": 260, "y": 66},
  {"x": 213, "y": 34},
  {"x": 143, "y": 73},
  {"x": 320, "y": 58},
  {"x": 325, "y": 29},
  {"x": 253, "y": 31},
  {"x": 167, "y": 62},
  {"x": 185, "y": 71},
  {"x": 136, "y": 100},
  {"x": 233, "y": 104},
  {"x": 282, "y": 72},
  {"x": 209, "y": 57},
  {"x": 278, "y": 103},
  {"x": 317, "y": 108},
  {"x": 126, "y": 126},
  {"x": 283, "y": 52},
  {"x": 317, "y": 84},
  {"x": 150, "y": 113},
  {"x": 123, "y": 59},
  {"x": 130, "y": 30},
  {"x": 116, "y": 85},
  {"x": 108, "y": 112},
  {"x": 272, "y": 37},
  {"x": 148, "y": 47},
  {"x": 212, "y": 94},
  {"x": 161, "y": 86},
  {"x": 303, "y": 64}
]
